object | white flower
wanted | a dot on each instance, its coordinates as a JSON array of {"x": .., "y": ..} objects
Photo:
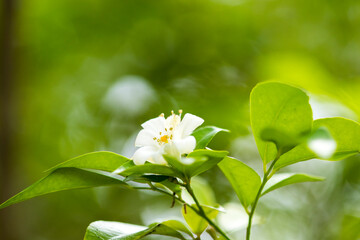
[{"x": 170, "y": 136}]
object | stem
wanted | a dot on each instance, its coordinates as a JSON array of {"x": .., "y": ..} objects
[
  {"x": 202, "y": 214},
  {"x": 258, "y": 195}
]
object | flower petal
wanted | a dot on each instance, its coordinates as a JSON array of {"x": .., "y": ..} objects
[
  {"x": 189, "y": 123},
  {"x": 158, "y": 159},
  {"x": 145, "y": 138},
  {"x": 155, "y": 124},
  {"x": 144, "y": 154},
  {"x": 172, "y": 121},
  {"x": 185, "y": 145},
  {"x": 172, "y": 150}
]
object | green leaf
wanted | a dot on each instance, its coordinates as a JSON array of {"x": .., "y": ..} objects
[
  {"x": 150, "y": 168},
  {"x": 106, "y": 161},
  {"x": 171, "y": 184},
  {"x": 105, "y": 230},
  {"x": 346, "y": 134},
  {"x": 283, "y": 141},
  {"x": 65, "y": 179},
  {"x": 196, "y": 162},
  {"x": 204, "y": 160},
  {"x": 322, "y": 143},
  {"x": 278, "y": 106},
  {"x": 204, "y": 135},
  {"x": 196, "y": 223},
  {"x": 146, "y": 178},
  {"x": 176, "y": 163},
  {"x": 203, "y": 191},
  {"x": 244, "y": 180},
  {"x": 177, "y": 225},
  {"x": 284, "y": 179}
]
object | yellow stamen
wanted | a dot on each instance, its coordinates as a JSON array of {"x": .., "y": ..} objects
[{"x": 164, "y": 139}]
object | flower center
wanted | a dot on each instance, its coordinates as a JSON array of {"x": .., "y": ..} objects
[
  {"x": 164, "y": 139},
  {"x": 172, "y": 122}
]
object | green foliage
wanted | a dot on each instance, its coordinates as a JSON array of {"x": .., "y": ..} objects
[
  {"x": 281, "y": 107},
  {"x": 105, "y": 161},
  {"x": 88, "y": 170},
  {"x": 244, "y": 180},
  {"x": 346, "y": 134},
  {"x": 65, "y": 179},
  {"x": 197, "y": 223},
  {"x": 204, "y": 135},
  {"x": 284, "y": 179},
  {"x": 281, "y": 120},
  {"x": 204, "y": 160},
  {"x": 203, "y": 191},
  {"x": 150, "y": 168},
  {"x": 195, "y": 163},
  {"x": 102, "y": 230},
  {"x": 283, "y": 142}
]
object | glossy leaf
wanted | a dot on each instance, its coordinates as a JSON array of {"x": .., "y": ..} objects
[
  {"x": 150, "y": 168},
  {"x": 106, "y": 161},
  {"x": 204, "y": 160},
  {"x": 244, "y": 180},
  {"x": 146, "y": 178},
  {"x": 284, "y": 179},
  {"x": 204, "y": 135},
  {"x": 177, "y": 225},
  {"x": 196, "y": 223},
  {"x": 65, "y": 179},
  {"x": 283, "y": 141},
  {"x": 196, "y": 162},
  {"x": 104, "y": 230},
  {"x": 278, "y": 106},
  {"x": 171, "y": 184},
  {"x": 346, "y": 134}
]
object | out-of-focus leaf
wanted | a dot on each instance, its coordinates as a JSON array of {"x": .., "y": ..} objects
[
  {"x": 177, "y": 225},
  {"x": 103, "y": 230},
  {"x": 278, "y": 106},
  {"x": 65, "y": 179},
  {"x": 203, "y": 191},
  {"x": 346, "y": 134},
  {"x": 204, "y": 135},
  {"x": 196, "y": 223},
  {"x": 106, "y": 161},
  {"x": 244, "y": 180},
  {"x": 284, "y": 179},
  {"x": 350, "y": 228},
  {"x": 322, "y": 143}
]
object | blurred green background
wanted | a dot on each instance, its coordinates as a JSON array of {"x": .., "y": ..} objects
[{"x": 81, "y": 76}]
